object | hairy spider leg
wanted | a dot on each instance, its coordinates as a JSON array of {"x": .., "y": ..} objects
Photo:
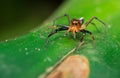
[
  {"x": 91, "y": 19},
  {"x": 55, "y": 31},
  {"x": 84, "y": 33},
  {"x": 61, "y": 17},
  {"x": 95, "y": 26},
  {"x": 62, "y": 27}
]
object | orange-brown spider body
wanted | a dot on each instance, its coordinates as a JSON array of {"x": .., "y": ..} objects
[{"x": 75, "y": 26}]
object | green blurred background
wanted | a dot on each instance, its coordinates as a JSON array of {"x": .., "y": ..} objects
[{"x": 18, "y": 17}]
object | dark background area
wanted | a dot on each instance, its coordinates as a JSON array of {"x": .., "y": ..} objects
[{"x": 18, "y": 17}]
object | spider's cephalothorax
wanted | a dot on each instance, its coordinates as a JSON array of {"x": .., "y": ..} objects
[{"x": 75, "y": 26}]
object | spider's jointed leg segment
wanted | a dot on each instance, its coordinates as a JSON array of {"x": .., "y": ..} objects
[
  {"x": 62, "y": 28},
  {"x": 91, "y": 19},
  {"x": 59, "y": 29},
  {"x": 84, "y": 33},
  {"x": 68, "y": 17},
  {"x": 95, "y": 26}
]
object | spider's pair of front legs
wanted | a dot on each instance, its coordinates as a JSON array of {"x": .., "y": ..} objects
[{"x": 75, "y": 25}]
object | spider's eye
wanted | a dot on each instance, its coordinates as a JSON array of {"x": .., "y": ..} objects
[{"x": 75, "y": 23}]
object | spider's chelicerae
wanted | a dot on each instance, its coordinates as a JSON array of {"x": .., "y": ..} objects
[{"x": 75, "y": 26}]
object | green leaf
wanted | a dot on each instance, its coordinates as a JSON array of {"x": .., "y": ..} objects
[{"x": 25, "y": 57}]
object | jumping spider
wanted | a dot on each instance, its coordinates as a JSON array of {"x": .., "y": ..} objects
[{"x": 75, "y": 26}]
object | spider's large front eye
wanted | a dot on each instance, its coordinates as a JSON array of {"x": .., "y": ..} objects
[
  {"x": 81, "y": 20},
  {"x": 75, "y": 23}
]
